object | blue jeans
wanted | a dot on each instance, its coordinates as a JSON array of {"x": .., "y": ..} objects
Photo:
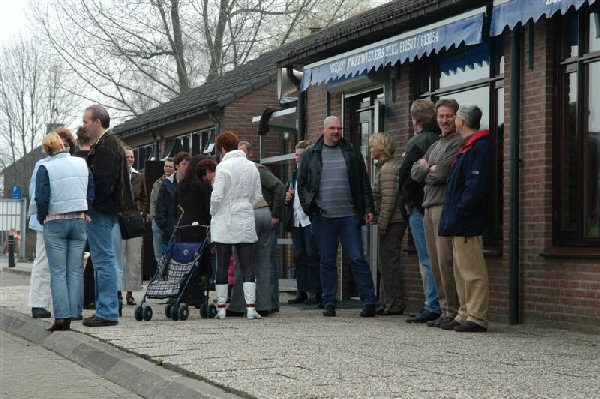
[
  {"x": 99, "y": 232},
  {"x": 119, "y": 255},
  {"x": 65, "y": 240},
  {"x": 415, "y": 219},
  {"x": 274, "y": 271},
  {"x": 306, "y": 260},
  {"x": 157, "y": 242},
  {"x": 328, "y": 233}
]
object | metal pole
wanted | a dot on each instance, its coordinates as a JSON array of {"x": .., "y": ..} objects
[{"x": 513, "y": 233}]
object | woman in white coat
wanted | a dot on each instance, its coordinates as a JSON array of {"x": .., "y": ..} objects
[{"x": 236, "y": 190}]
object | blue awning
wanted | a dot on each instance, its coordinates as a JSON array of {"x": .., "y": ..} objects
[
  {"x": 466, "y": 28},
  {"x": 509, "y": 13}
]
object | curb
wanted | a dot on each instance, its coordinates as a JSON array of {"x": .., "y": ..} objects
[{"x": 131, "y": 372}]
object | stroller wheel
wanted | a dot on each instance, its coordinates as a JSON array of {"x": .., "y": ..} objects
[
  {"x": 148, "y": 313},
  {"x": 139, "y": 313},
  {"x": 204, "y": 310},
  {"x": 184, "y": 312},
  {"x": 175, "y": 312},
  {"x": 168, "y": 311},
  {"x": 212, "y": 311}
]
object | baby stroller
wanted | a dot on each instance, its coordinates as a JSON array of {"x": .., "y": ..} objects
[{"x": 182, "y": 277}]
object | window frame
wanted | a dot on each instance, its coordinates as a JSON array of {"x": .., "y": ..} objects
[{"x": 579, "y": 64}]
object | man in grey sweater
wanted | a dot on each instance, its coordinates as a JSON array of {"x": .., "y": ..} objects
[{"x": 434, "y": 170}]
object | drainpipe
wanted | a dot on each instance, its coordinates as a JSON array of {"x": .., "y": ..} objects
[
  {"x": 301, "y": 115},
  {"x": 513, "y": 233}
]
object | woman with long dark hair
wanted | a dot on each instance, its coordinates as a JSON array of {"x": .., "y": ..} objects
[{"x": 193, "y": 196}]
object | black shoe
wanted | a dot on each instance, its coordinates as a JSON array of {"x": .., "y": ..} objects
[
  {"x": 380, "y": 311},
  {"x": 450, "y": 325},
  {"x": 368, "y": 310},
  {"x": 300, "y": 298},
  {"x": 231, "y": 313},
  {"x": 40, "y": 313},
  {"x": 98, "y": 322},
  {"x": 60, "y": 325},
  {"x": 263, "y": 313},
  {"x": 423, "y": 317},
  {"x": 469, "y": 326},
  {"x": 313, "y": 299},
  {"x": 329, "y": 311}
]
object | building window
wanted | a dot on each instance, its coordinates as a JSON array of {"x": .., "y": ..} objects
[
  {"x": 576, "y": 202},
  {"x": 474, "y": 75}
]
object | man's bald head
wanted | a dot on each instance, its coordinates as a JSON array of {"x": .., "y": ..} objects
[{"x": 332, "y": 130}]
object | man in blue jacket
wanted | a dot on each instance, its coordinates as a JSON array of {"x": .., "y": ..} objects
[{"x": 464, "y": 218}]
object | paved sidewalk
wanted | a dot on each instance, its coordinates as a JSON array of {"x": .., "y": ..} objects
[
  {"x": 300, "y": 353},
  {"x": 28, "y": 370}
]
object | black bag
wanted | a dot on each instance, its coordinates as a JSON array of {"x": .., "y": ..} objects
[{"x": 132, "y": 224}]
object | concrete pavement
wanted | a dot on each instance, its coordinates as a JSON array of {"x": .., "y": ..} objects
[
  {"x": 299, "y": 353},
  {"x": 28, "y": 370}
]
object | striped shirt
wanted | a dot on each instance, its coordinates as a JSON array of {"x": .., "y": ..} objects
[{"x": 334, "y": 197}]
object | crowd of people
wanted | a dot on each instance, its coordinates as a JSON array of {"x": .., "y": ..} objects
[{"x": 437, "y": 187}]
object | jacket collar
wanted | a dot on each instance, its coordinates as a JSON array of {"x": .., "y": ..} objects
[{"x": 469, "y": 144}]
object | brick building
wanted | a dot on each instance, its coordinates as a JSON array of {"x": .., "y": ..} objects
[{"x": 531, "y": 65}]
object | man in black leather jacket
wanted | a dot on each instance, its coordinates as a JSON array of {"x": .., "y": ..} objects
[{"x": 334, "y": 191}]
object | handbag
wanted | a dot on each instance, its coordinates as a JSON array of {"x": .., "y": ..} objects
[{"x": 131, "y": 224}]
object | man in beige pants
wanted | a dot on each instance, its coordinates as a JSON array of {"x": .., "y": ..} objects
[
  {"x": 463, "y": 220},
  {"x": 434, "y": 169}
]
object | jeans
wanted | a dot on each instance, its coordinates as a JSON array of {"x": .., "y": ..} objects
[
  {"x": 328, "y": 233},
  {"x": 119, "y": 255},
  {"x": 306, "y": 260},
  {"x": 99, "y": 232},
  {"x": 415, "y": 220},
  {"x": 65, "y": 240},
  {"x": 274, "y": 271},
  {"x": 157, "y": 242}
]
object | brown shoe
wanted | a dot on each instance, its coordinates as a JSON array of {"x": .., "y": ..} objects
[
  {"x": 469, "y": 326},
  {"x": 449, "y": 325}
]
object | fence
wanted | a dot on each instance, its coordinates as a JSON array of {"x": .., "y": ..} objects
[{"x": 13, "y": 214}]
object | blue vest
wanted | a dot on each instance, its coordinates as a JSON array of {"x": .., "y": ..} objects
[{"x": 68, "y": 184}]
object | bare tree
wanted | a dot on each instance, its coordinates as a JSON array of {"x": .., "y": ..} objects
[
  {"x": 34, "y": 91},
  {"x": 137, "y": 54}
]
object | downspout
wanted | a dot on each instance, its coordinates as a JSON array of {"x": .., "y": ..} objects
[
  {"x": 301, "y": 115},
  {"x": 513, "y": 233}
]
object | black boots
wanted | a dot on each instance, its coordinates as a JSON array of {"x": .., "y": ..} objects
[
  {"x": 40, "y": 313},
  {"x": 60, "y": 325}
]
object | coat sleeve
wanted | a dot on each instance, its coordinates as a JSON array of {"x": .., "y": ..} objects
[
  {"x": 388, "y": 180},
  {"x": 272, "y": 184},
  {"x": 442, "y": 169},
  {"x": 257, "y": 188},
  {"x": 162, "y": 207},
  {"x": 365, "y": 184},
  {"x": 301, "y": 181},
  {"x": 406, "y": 184},
  {"x": 477, "y": 178},
  {"x": 218, "y": 194},
  {"x": 42, "y": 193},
  {"x": 419, "y": 172},
  {"x": 91, "y": 194}
]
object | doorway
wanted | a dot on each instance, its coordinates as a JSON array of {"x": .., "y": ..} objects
[{"x": 363, "y": 116}]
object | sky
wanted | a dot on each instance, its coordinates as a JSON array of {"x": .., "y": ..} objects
[{"x": 14, "y": 20}]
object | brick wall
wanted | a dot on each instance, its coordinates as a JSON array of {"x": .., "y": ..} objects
[{"x": 554, "y": 289}]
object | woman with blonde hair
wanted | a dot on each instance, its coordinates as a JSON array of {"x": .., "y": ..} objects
[
  {"x": 63, "y": 188},
  {"x": 391, "y": 224}
]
